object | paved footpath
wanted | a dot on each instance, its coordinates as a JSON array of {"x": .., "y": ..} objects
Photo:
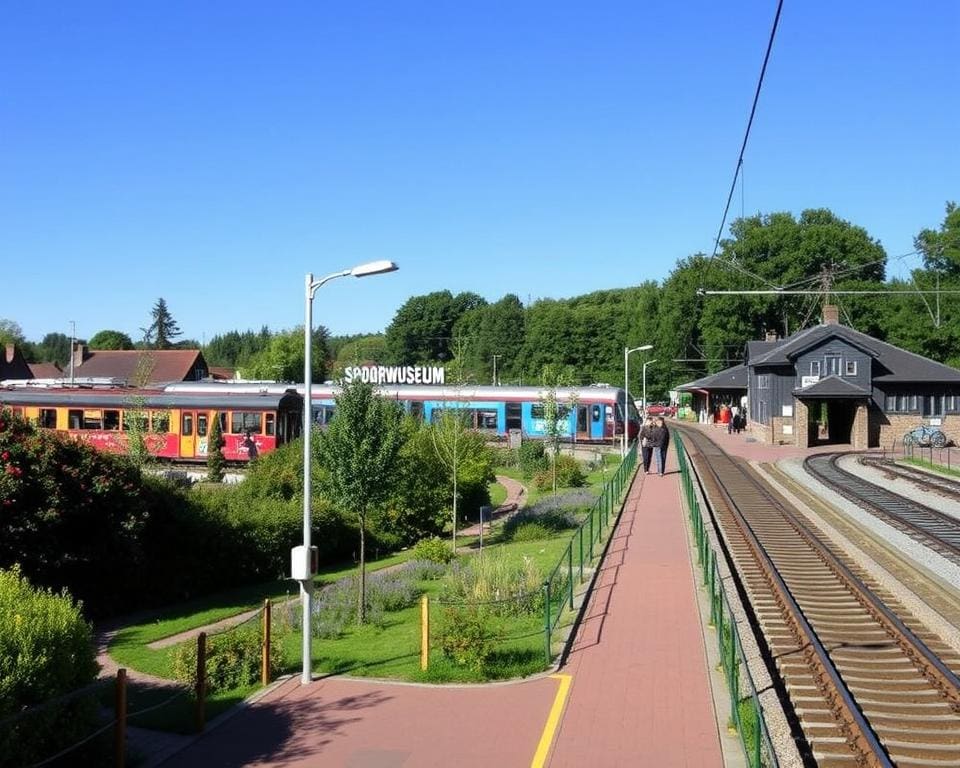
[{"x": 638, "y": 693}]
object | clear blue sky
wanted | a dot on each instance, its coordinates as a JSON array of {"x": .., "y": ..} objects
[{"x": 214, "y": 152}]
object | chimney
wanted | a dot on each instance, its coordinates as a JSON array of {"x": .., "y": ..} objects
[
  {"x": 10, "y": 351},
  {"x": 79, "y": 355},
  {"x": 771, "y": 336},
  {"x": 831, "y": 314}
]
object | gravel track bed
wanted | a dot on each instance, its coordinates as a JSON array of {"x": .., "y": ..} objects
[
  {"x": 945, "y": 571},
  {"x": 901, "y": 486}
]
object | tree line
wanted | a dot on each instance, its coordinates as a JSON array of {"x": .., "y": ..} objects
[{"x": 693, "y": 332}]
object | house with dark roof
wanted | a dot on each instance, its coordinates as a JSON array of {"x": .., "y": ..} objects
[
  {"x": 45, "y": 371},
  {"x": 710, "y": 393},
  {"x": 833, "y": 384},
  {"x": 140, "y": 367}
]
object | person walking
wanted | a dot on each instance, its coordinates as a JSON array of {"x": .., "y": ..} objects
[
  {"x": 661, "y": 442},
  {"x": 646, "y": 443}
]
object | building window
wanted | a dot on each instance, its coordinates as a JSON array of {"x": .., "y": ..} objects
[
  {"x": 814, "y": 367},
  {"x": 933, "y": 405},
  {"x": 833, "y": 365},
  {"x": 951, "y": 404},
  {"x": 763, "y": 381},
  {"x": 850, "y": 369},
  {"x": 891, "y": 403}
]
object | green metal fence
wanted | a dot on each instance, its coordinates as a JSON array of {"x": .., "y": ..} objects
[
  {"x": 746, "y": 714},
  {"x": 585, "y": 547}
]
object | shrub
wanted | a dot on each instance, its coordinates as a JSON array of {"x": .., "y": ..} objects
[
  {"x": 434, "y": 549},
  {"x": 466, "y": 636},
  {"x": 233, "y": 659},
  {"x": 425, "y": 570},
  {"x": 45, "y": 651},
  {"x": 532, "y": 458},
  {"x": 530, "y": 521},
  {"x": 335, "y": 608},
  {"x": 507, "y": 587},
  {"x": 569, "y": 474}
]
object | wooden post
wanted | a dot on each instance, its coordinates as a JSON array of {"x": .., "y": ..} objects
[
  {"x": 201, "y": 691},
  {"x": 425, "y": 631},
  {"x": 265, "y": 666},
  {"x": 120, "y": 715}
]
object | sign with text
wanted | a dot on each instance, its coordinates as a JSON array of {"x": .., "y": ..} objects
[{"x": 395, "y": 374}]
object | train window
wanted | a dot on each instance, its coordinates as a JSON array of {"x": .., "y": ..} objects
[
  {"x": 134, "y": 420},
  {"x": 202, "y": 424},
  {"x": 159, "y": 422},
  {"x": 538, "y": 412},
  {"x": 241, "y": 422},
  {"x": 48, "y": 418},
  {"x": 111, "y": 420},
  {"x": 92, "y": 419},
  {"x": 186, "y": 425},
  {"x": 271, "y": 424},
  {"x": 74, "y": 418},
  {"x": 486, "y": 419},
  {"x": 223, "y": 421},
  {"x": 416, "y": 409},
  {"x": 514, "y": 419},
  {"x": 595, "y": 413}
]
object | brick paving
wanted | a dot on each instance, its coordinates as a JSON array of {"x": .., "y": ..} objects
[{"x": 640, "y": 694}]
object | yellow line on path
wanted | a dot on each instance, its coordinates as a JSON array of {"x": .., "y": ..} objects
[{"x": 553, "y": 720}]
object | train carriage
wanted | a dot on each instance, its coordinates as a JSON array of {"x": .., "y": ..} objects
[
  {"x": 586, "y": 414},
  {"x": 175, "y": 425}
]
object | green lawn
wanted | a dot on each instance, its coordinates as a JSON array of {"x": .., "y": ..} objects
[
  {"x": 391, "y": 649},
  {"x": 498, "y": 494},
  {"x": 942, "y": 469}
]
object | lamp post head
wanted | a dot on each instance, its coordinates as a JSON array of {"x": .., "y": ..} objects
[{"x": 374, "y": 268}]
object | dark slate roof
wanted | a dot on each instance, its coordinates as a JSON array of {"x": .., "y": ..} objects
[
  {"x": 833, "y": 387},
  {"x": 731, "y": 378},
  {"x": 893, "y": 364},
  {"x": 757, "y": 349},
  {"x": 12, "y": 364}
]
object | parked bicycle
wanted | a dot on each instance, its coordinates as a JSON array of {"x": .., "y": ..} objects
[{"x": 925, "y": 437}]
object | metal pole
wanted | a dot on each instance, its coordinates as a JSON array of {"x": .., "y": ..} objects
[
  {"x": 626, "y": 395},
  {"x": 306, "y": 586}
]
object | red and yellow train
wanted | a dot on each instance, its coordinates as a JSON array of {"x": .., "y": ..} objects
[{"x": 174, "y": 425}]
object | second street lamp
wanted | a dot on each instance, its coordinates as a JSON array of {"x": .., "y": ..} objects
[{"x": 626, "y": 392}]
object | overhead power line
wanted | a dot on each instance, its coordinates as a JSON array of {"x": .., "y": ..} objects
[{"x": 746, "y": 135}]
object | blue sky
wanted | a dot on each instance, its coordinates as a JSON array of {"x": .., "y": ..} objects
[{"x": 213, "y": 153}]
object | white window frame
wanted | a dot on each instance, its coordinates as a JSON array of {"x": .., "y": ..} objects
[
  {"x": 850, "y": 368},
  {"x": 763, "y": 381},
  {"x": 815, "y": 368},
  {"x": 828, "y": 359}
]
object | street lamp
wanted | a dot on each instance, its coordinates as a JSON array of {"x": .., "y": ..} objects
[
  {"x": 648, "y": 362},
  {"x": 626, "y": 390},
  {"x": 495, "y": 369},
  {"x": 306, "y": 583}
]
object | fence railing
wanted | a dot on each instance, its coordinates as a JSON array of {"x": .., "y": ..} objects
[
  {"x": 946, "y": 458},
  {"x": 746, "y": 714},
  {"x": 584, "y": 548}
]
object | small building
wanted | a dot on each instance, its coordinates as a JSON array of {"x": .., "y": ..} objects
[
  {"x": 831, "y": 384},
  {"x": 711, "y": 393},
  {"x": 139, "y": 367}
]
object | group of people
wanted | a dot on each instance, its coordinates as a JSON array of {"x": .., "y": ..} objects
[{"x": 654, "y": 441}]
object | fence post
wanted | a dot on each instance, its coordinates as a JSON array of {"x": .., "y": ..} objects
[
  {"x": 570, "y": 573},
  {"x": 425, "y": 631},
  {"x": 580, "y": 534},
  {"x": 201, "y": 689},
  {"x": 546, "y": 618},
  {"x": 120, "y": 715},
  {"x": 591, "y": 533},
  {"x": 265, "y": 660}
]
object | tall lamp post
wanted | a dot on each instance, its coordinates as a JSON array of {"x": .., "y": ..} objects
[
  {"x": 495, "y": 369},
  {"x": 626, "y": 390},
  {"x": 648, "y": 362},
  {"x": 306, "y": 584}
]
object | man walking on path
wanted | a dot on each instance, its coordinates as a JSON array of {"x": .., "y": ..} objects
[
  {"x": 659, "y": 440},
  {"x": 646, "y": 443}
]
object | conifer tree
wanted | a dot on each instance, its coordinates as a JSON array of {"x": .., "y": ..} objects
[
  {"x": 163, "y": 329},
  {"x": 216, "y": 463}
]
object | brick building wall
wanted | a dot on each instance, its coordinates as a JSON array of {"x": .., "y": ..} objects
[
  {"x": 801, "y": 415},
  {"x": 860, "y": 433},
  {"x": 893, "y": 426}
]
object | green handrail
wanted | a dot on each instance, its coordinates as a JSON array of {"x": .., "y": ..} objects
[
  {"x": 757, "y": 746},
  {"x": 559, "y": 585}
]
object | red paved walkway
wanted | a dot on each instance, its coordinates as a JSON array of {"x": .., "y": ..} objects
[{"x": 640, "y": 694}]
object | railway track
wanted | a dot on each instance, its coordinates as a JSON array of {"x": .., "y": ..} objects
[
  {"x": 930, "y": 482},
  {"x": 866, "y": 688},
  {"x": 934, "y": 529}
]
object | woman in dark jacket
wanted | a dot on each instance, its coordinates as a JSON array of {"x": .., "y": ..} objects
[
  {"x": 646, "y": 443},
  {"x": 662, "y": 443}
]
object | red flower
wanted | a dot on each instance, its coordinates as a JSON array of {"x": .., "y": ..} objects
[{"x": 5, "y": 455}]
